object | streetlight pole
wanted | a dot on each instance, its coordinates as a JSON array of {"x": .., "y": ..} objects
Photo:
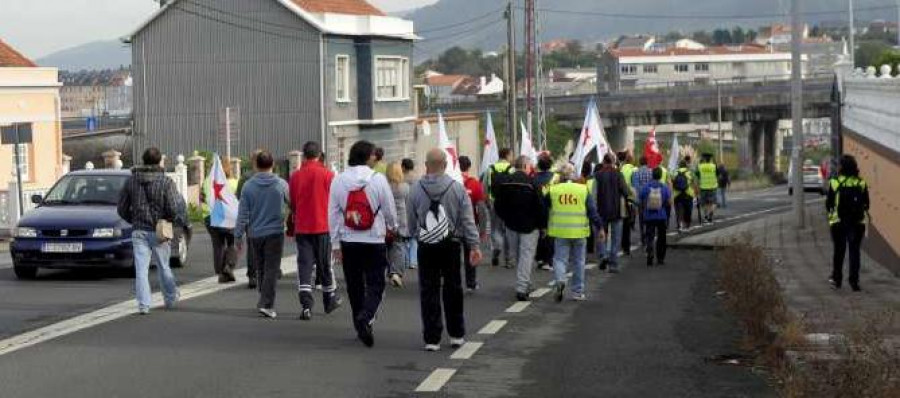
[
  {"x": 721, "y": 135},
  {"x": 852, "y": 35},
  {"x": 21, "y": 198},
  {"x": 797, "y": 116}
]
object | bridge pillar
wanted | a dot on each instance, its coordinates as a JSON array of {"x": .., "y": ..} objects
[
  {"x": 618, "y": 137},
  {"x": 742, "y": 132},
  {"x": 770, "y": 146}
]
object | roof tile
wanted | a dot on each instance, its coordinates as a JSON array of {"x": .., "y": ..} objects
[
  {"x": 352, "y": 7},
  {"x": 9, "y": 57}
]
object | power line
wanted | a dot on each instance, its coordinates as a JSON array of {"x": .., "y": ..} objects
[
  {"x": 695, "y": 17},
  {"x": 467, "y": 22}
]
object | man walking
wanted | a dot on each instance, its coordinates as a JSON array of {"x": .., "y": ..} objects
[
  {"x": 724, "y": 182},
  {"x": 479, "y": 210},
  {"x": 440, "y": 217},
  {"x": 309, "y": 190},
  {"x": 655, "y": 200},
  {"x": 361, "y": 210},
  {"x": 261, "y": 216},
  {"x": 709, "y": 184},
  {"x": 150, "y": 202},
  {"x": 519, "y": 204},
  {"x": 847, "y": 204},
  {"x": 251, "y": 268},
  {"x": 572, "y": 210},
  {"x": 683, "y": 189},
  {"x": 612, "y": 194},
  {"x": 639, "y": 179},
  {"x": 498, "y": 171},
  {"x": 627, "y": 168}
]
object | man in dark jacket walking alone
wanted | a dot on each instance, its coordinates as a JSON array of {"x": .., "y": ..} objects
[
  {"x": 520, "y": 205},
  {"x": 612, "y": 194},
  {"x": 147, "y": 198}
]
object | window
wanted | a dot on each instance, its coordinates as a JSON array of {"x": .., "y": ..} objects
[
  {"x": 629, "y": 69},
  {"x": 681, "y": 68},
  {"x": 391, "y": 78},
  {"x": 342, "y": 78},
  {"x": 701, "y": 67},
  {"x": 23, "y": 159},
  {"x": 650, "y": 69}
]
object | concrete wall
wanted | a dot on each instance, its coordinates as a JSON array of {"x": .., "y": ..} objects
[
  {"x": 32, "y": 95},
  {"x": 871, "y": 133}
]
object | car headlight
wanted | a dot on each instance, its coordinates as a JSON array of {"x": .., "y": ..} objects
[
  {"x": 107, "y": 233},
  {"x": 26, "y": 232}
]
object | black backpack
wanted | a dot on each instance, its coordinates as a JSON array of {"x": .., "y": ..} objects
[
  {"x": 851, "y": 202},
  {"x": 681, "y": 182}
]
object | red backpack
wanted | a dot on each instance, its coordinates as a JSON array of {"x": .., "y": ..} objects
[{"x": 358, "y": 214}]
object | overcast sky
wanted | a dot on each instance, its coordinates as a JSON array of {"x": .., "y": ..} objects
[{"x": 40, "y": 27}]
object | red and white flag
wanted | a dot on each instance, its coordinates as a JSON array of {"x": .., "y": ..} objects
[
  {"x": 592, "y": 136},
  {"x": 527, "y": 147},
  {"x": 491, "y": 154},
  {"x": 651, "y": 150},
  {"x": 452, "y": 156},
  {"x": 223, "y": 205}
]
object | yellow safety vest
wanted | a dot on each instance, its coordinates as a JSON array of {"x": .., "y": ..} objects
[
  {"x": 835, "y": 184},
  {"x": 568, "y": 211},
  {"x": 665, "y": 174},
  {"x": 708, "y": 180},
  {"x": 499, "y": 167},
  {"x": 627, "y": 171},
  {"x": 690, "y": 178}
]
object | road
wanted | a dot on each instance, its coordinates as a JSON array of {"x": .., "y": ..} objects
[{"x": 645, "y": 332}]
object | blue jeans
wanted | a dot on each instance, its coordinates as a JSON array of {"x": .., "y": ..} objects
[
  {"x": 146, "y": 245},
  {"x": 413, "y": 255},
  {"x": 609, "y": 249},
  {"x": 722, "y": 197},
  {"x": 570, "y": 252}
]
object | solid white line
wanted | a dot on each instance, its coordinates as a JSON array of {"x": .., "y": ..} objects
[
  {"x": 492, "y": 327},
  {"x": 518, "y": 307},
  {"x": 436, "y": 380},
  {"x": 195, "y": 289},
  {"x": 539, "y": 292},
  {"x": 467, "y": 350}
]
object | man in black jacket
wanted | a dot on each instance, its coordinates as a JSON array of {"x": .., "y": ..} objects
[
  {"x": 518, "y": 202},
  {"x": 147, "y": 198},
  {"x": 612, "y": 194}
]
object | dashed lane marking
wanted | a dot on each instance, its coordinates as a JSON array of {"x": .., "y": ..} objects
[
  {"x": 467, "y": 350},
  {"x": 518, "y": 307},
  {"x": 492, "y": 327},
  {"x": 111, "y": 313},
  {"x": 590, "y": 266},
  {"x": 436, "y": 380},
  {"x": 539, "y": 292}
]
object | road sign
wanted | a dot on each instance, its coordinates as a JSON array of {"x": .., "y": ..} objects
[{"x": 9, "y": 134}]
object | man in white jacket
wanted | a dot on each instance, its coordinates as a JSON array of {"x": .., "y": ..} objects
[{"x": 361, "y": 213}]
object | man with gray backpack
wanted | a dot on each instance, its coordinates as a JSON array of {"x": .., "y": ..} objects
[
  {"x": 655, "y": 199},
  {"x": 440, "y": 219}
]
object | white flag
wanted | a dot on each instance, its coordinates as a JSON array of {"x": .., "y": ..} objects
[
  {"x": 426, "y": 128},
  {"x": 527, "y": 147},
  {"x": 674, "y": 155},
  {"x": 452, "y": 156},
  {"x": 223, "y": 205},
  {"x": 592, "y": 136},
  {"x": 491, "y": 154}
]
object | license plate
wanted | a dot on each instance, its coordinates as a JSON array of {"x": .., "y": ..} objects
[{"x": 62, "y": 247}]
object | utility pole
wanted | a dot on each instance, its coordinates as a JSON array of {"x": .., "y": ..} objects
[
  {"x": 228, "y": 133},
  {"x": 797, "y": 116},
  {"x": 529, "y": 63},
  {"x": 721, "y": 135},
  {"x": 852, "y": 35},
  {"x": 512, "y": 97},
  {"x": 18, "y": 155},
  {"x": 898, "y": 23}
]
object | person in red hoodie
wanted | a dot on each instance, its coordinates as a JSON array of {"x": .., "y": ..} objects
[
  {"x": 309, "y": 192},
  {"x": 479, "y": 203}
]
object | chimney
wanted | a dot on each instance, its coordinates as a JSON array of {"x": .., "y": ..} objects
[{"x": 483, "y": 82}]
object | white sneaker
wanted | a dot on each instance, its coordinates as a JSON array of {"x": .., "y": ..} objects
[
  {"x": 396, "y": 280},
  {"x": 579, "y": 297},
  {"x": 432, "y": 347},
  {"x": 268, "y": 313},
  {"x": 456, "y": 343}
]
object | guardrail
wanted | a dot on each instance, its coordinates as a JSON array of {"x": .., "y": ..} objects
[{"x": 872, "y": 105}]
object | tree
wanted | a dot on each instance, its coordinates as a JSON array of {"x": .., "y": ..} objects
[
  {"x": 889, "y": 57},
  {"x": 673, "y": 36},
  {"x": 702, "y": 37},
  {"x": 721, "y": 37},
  {"x": 738, "y": 36},
  {"x": 867, "y": 52}
]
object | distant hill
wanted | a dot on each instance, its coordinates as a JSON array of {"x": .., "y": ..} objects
[
  {"x": 95, "y": 55},
  {"x": 577, "y": 22}
]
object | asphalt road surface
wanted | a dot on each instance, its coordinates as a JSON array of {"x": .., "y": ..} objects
[{"x": 645, "y": 332}]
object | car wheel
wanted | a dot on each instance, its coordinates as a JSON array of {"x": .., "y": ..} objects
[
  {"x": 180, "y": 254},
  {"x": 25, "y": 272}
]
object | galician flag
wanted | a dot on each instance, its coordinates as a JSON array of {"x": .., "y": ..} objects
[
  {"x": 674, "y": 155},
  {"x": 527, "y": 147},
  {"x": 651, "y": 150},
  {"x": 452, "y": 156},
  {"x": 223, "y": 205},
  {"x": 491, "y": 154},
  {"x": 592, "y": 136}
]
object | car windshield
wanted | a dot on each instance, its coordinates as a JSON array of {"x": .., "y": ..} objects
[{"x": 86, "y": 190}]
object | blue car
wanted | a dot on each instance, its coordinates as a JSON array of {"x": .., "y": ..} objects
[{"x": 76, "y": 226}]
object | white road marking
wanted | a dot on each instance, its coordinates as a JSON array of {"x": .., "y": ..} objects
[
  {"x": 467, "y": 350},
  {"x": 539, "y": 292},
  {"x": 436, "y": 380},
  {"x": 195, "y": 289},
  {"x": 590, "y": 266},
  {"x": 518, "y": 307},
  {"x": 492, "y": 327}
]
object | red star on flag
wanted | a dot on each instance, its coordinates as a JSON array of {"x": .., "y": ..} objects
[
  {"x": 587, "y": 136},
  {"x": 452, "y": 152},
  {"x": 217, "y": 191}
]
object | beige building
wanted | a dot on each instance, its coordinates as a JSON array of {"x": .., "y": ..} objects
[{"x": 30, "y": 94}]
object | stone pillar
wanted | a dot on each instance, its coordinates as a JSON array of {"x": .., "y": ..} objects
[
  {"x": 111, "y": 159},
  {"x": 66, "y": 164},
  {"x": 196, "y": 169},
  {"x": 236, "y": 168},
  {"x": 181, "y": 177},
  {"x": 618, "y": 137},
  {"x": 295, "y": 159},
  {"x": 769, "y": 153}
]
